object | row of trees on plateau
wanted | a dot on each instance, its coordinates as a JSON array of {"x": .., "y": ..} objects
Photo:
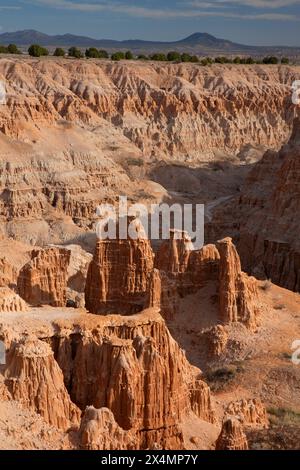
[
  {"x": 10, "y": 49},
  {"x": 35, "y": 50}
]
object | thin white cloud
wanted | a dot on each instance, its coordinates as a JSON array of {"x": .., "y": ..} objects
[
  {"x": 159, "y": 13},
  {"x": 269, "y": 4},
  {"x": 9, "y": 7}
]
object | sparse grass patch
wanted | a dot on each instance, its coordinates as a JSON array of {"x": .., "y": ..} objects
[
  {"x": 221, "y": 377},
  {"x": 285, "y": 355},
  {"x": 134, "y": 162},
  {"x": 279, "y": 307},
  {"x": 266, "y": 285},
  {"x": 283, "y": 416},
  {"x": 144, "y": 195}
]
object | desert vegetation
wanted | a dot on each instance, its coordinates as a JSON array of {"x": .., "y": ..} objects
[{"x": 36, "y": 50}]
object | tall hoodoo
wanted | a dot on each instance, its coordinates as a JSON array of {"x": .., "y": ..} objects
[
  {"x": 238, "y": 292},
  {"x": 174, "y": 253},
  {"x": 119, "y": 275},
  {"x": 232, "y": 436},
  {"x": 43, "y": 281},
  {"x": 34, "y": 379}
]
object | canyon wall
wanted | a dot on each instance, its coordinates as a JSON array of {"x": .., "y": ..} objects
[
  {"x": 266, "y": 221},
  {"x": 43, "y": 281},
  {"x": 130, "y": 365},
  {"x": 72, "y": 132},
  {"x": 181, "y": 271},
  {"x": 198, "y": 110}
]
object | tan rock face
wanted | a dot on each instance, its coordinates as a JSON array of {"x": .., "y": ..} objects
[
  {"x": 139, "y": 372},
  {"x": 266, "y": 221},
  {"x": 11, "y": 302},
  {"x": 87, "y": 93},
  {"x": 174, "y": 253},
  {"x": 68, "y": 146},
  {"x": 217, "y": 338},
  {"x": 119, "y": 276},
  {"x": 8, "y": 273},
  {"x": 34, "y": 379},
  {"x": 43, "y": 281},
  {"x": 99, "y": 431},
  {"x": 232, "y": 436},
  {"x": 250, "y": 412},
  {"x": 238, "y": 292},
  {"x": 182, "y": 271}
]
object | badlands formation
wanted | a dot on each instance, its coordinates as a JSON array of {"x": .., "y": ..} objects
[{"x": 129, "y": 344}]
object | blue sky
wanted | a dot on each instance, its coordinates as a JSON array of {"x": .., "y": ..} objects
[{"x": 265, "y": 22}]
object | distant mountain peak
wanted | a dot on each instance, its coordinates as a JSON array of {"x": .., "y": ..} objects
[{"x": 197, "y": 43}]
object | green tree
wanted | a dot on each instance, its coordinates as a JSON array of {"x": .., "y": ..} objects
[
  {"x": 142, "y": 57},
  {"x": 12, "y": 49},
  {"x": 223, "y": 60},
  {"x": 237, "y": 60},
  {"x": 173, "y": 56},
  {"x": 59, "y": 52},
  {"x": 186, "y": 57},
  {"x": 194, "y": 59},
  {"x": 92, "y": 53},
  {"x": 3, "y": 50},
  {"x": 250, "y": 60},
  {"x": 37, "y": 51},
  {"x": 75, "y": 52},
  {"x": 103, "y": 54},
  {"x": 204, "y": 62},
  {"x": 129, "y": 55},
  {"x": 118, "y": 56},
  {"x": 270, "y": 60},
  {"x": 285, "y": 60},
  {"x": 159, "y": 56}
]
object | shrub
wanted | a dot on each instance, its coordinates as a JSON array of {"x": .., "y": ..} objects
[
  {"x": 103, "y": 54},
  {"x": 37, "y": 51},
  {"x": 222, "y": 60},
  {"x": 59, "y": 52},
  {"x": 142, "y": 57},
  {"x": 270, "y": 60},
  {"x": 129, "y": 55},
  {"x": 173, "y": 56},
  {"x": 12, "y": 49},
  {"x": 204, "y": 62},
  {"x": 285, "y": 60},
  {"x": 194, "y": 59},
  {"x": 237, "y": 60},
  {"x": 185, "y": 57},
  {"x": 159, "y": 57},
  {"x": 75, "y": 52},
  {"x": 92, "y": 53},
  {"x": 3, "y": 50},
  {"x": 118, "y": 56}
]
